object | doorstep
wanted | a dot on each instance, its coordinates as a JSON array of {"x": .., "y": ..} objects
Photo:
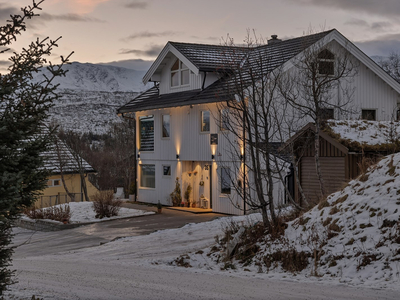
[{"x": 191, "y": 210}]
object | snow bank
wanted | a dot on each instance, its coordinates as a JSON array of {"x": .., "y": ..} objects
[
  {"x": 354, "y": 234},
  {"x": 82, "y": 212}
]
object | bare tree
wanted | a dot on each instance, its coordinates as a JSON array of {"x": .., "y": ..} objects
[
  {"x": 249, "y": 120},
  {"x": 392, "y": 65},
  {"x": 317, "y": 87}
]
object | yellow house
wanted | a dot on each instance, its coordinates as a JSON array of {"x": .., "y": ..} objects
[{"x": 70, "y": 174}]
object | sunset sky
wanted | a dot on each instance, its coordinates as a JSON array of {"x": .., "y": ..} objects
[{"x": 119, "y": 30}]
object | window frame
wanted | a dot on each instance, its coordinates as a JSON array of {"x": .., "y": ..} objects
[
  {"x": 201, "y": 121},
  {"x": 141, "y": 176},
  {"x": 163, "y": 170},
  {"x": 224, "y": 189},
  {"x": 162, "y": 126},
  {"x": 53, "y": 181},
  {"x": 368, "y": 111},
  {"x": 325, "y": 60},
  {"x": 140, "y": 118},
  {"x": 221, "y": 121},
  {"x": 180, "y": 71}
]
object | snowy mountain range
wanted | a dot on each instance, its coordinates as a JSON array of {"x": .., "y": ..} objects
[{"x": 90, "y": 95}]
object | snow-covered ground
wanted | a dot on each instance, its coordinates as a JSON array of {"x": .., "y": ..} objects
[
  {"x": 356, "y": 235},
  {"x": 83, "y": 212},
  {"x": 366, "y": 132}
]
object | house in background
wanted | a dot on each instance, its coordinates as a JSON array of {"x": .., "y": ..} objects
[
  {"x": 347, "y": 148},
  {"x": 62, "y": 163},
  {"x": 179, "y": 129}
]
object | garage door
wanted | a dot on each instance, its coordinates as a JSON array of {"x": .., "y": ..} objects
[{"x": 333, "y": 173}]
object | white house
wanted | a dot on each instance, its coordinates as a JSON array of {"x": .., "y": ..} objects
[{"x": 179, "y": 134}]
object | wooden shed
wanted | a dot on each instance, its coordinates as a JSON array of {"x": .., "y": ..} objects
[{"x": 339, "y": 164}]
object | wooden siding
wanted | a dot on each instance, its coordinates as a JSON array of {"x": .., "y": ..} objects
[
  {"x": 333, "y": 173},
  {"x": 326, "y": 149}
]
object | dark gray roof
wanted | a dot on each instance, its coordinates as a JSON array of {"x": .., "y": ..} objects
[
  {"x": 222, "y": 59},
  {"x": 60, "y": 156}
]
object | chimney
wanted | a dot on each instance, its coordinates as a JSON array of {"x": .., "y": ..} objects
[{"x": 274, "y": 39}]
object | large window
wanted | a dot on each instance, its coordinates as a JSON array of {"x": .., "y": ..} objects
[
  {"x": 179, "y": 74},
  {"x": 166, "y": 127},
  {"x": 146, "y": 125},
  {"x": 148, "y": 176},
  {"x": 326, "y": 63},
  {"x": 225, "y": 180},
  {"x": 368, "y": 114},
  {"x": 205, "y": 121}
]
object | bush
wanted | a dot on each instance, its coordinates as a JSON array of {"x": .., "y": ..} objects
[
  {"x": 61, "y": 213},
  {"x": 105, "y": 205}
]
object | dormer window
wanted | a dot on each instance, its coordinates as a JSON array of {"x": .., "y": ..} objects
[
  {"x": 326, "y": 63},
  {"x": 179, "y": 74}
]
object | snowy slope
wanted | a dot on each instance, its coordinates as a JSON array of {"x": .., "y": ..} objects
[
  {"x": 90, "y": 95},
  {"x": 354, "y": 234},
  {"x": 92, "y": 77}
]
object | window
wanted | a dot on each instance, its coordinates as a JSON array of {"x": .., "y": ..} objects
[
  {"x": 179, "y": 74},
  {"x": 398, "y": 115},
  {"x": 167, "y": 170},
  {"x": 146, "y": 125},
  {"x": 224, "y": 119},
  {"x": 368, "y": 114},
  {"x": 327, "y": 113},
  {"x": 205, "y": 121},
  {"x": 148, "y": 176},
  {"x": 166, "y": 128},
  {"x": 225, "y": 180},
  {"x": 326, "y": 63},
  {"x": 54, "y": 182}
]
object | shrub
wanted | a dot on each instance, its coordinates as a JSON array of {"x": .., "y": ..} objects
[
  {"x": 175, "y": 196},
  {"x": 61, "y": 213},
  {"x": 105, "y": 205}
]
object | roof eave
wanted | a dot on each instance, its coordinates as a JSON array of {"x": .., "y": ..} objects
[{"x": 164, "y": 52}]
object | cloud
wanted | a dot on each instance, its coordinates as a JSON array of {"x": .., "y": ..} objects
[
  {"x": 137, "y": 5},
  {"x": 69, "y": 18},
  {"x": 6, "y": 10},
  {"x": 147, "y": 34},
  {"x": 381, "y": 46},
  {"x": 4, "y": 63},
  {"x": 374, "y": 26},
  {"x": 387, "y": 8},
  {"x": 151, "y": 51}
]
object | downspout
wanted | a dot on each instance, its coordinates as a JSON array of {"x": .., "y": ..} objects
[{"x": 244, "y": 166}]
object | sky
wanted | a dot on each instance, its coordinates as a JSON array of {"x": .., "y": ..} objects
[{"x": 131, "y": 33}]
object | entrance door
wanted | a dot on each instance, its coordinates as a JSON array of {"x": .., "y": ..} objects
[{"x": 205, "y": 178}]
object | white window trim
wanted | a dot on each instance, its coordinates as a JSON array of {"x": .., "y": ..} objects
[
  {"x": 52, "y": 182},
  {"x": 179, "y": 71}
]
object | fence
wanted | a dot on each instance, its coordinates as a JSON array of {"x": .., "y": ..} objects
[{"x": 60, "y": 198}]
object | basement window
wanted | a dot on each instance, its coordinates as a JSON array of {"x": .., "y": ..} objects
[
  {"x": 368, "y": 114},
  {"x": 327, "y": 113},
  {"x": 326, "y": 63}
]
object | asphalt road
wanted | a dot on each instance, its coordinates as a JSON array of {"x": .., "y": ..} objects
[{"x": 41, "y": 243}]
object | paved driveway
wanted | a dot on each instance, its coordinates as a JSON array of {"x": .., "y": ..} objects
[{"x": 31, "y": 243}]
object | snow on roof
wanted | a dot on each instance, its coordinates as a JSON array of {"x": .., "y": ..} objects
[{"x": 366, "y": 132}]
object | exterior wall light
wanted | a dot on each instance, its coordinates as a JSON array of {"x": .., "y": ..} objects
[
  {"x": 177, "y": 156},
  {"x": 138, "y": 155},
  {"x": 212, "y": 156}
]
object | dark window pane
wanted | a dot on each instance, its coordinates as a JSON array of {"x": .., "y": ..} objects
[
  {"x": 166, "y": 126},
  {"x": 368, "y": 114},
  {"x": 225, "y": 181},
  {"x": 205, "y": 121},
  {"x": 327, "y": 113},
  {"x": 326, "y": 68},
  {"x": 146, "y": 125},
  {"x": 175, "y": 67},
  {"x": 167, "y": 170}
]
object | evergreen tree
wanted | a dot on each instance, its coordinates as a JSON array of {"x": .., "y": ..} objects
[{"x": 23, "y": 111}]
